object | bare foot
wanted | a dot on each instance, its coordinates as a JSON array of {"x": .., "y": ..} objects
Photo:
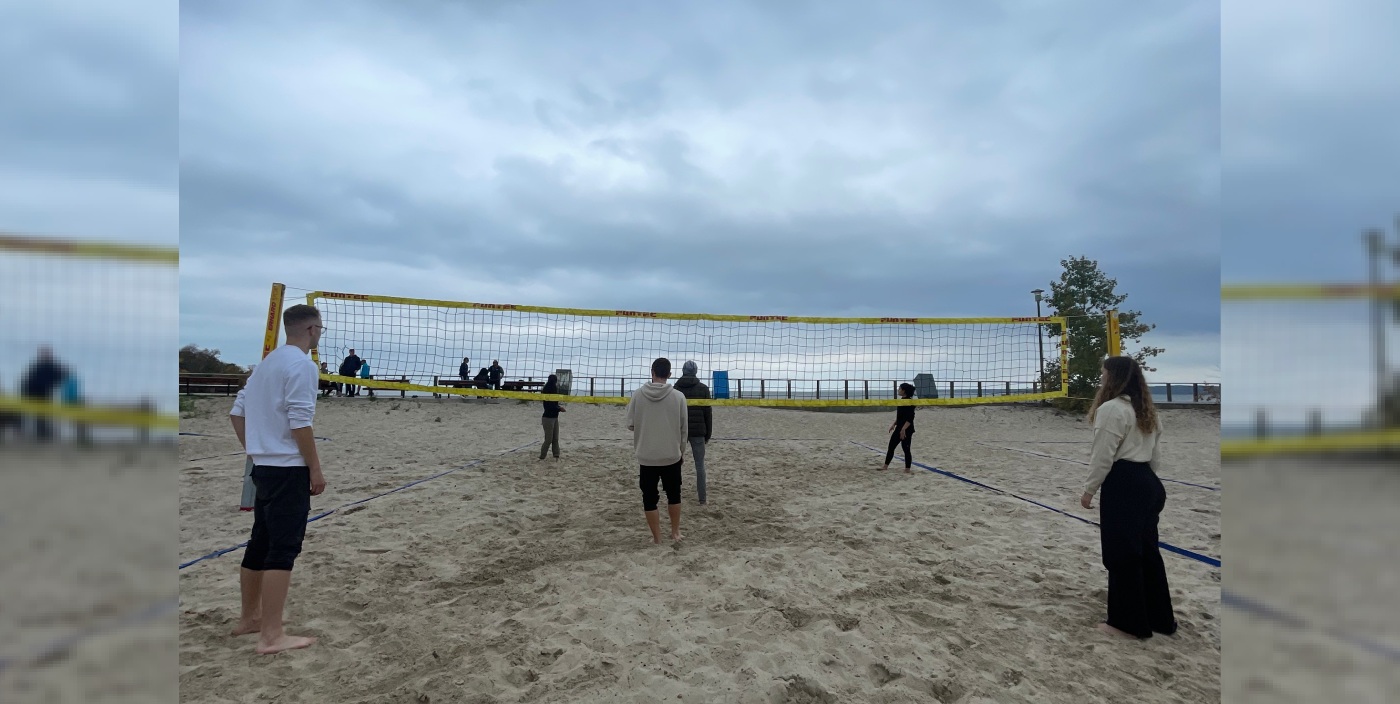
[
  {"x": 677, "y": 537},
  {"x": 1110, "y": 630},
  {"x": 906, "y": 471},
  {"x": 655, "y": 541},
  {"x": 245, "y": 627},
  {"x": 884, "y": 468},
  {"x": 284, "y": 643}
]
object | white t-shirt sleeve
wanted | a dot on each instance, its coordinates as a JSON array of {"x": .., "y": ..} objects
[
  {"x": 238, "y": 404},
  {"x": 300, "y": 395},
  {"x": 1111, "y": 425}
]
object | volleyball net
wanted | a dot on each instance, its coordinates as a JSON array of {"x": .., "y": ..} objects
[
  {"x": 602, "y": 356},
  {"x": 90, "y": 335},
  {"x": 1307, "y": 368}
]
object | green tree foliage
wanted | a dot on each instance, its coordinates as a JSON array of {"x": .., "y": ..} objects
[
  {"x": 197, "y": 360},
  {"x": 1084, "y": 295}
]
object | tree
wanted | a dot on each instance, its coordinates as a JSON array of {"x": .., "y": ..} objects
[
  {"x": 1083, "y": 296},
  {"x": 201, "y": 361}
]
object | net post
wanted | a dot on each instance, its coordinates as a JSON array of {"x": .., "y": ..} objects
[
  {"x": 1115, "y": 341},
  {"x": 274, "y": 311},
  {"x": 1064, "y": 357}
]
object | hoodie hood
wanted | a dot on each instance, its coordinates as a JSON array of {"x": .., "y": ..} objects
[
  {"x": 686, "y": 382},
  {"x": 653, "y": 391}
]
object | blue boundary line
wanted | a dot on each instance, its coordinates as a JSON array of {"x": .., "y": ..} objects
[
  {"x": 214, "y": 457},
  {"x": 1165, "y": 546},
  {"x": 724, "y": 439},
  {"x": 1269, "y": 613},
  {"x": 65, "y": 643},
  {"x": 1090, "y": 442},
  {"x": 244, "y": 544},
  {"x": 226, "y": 437},
  {"x": 1086, "y": 464}
]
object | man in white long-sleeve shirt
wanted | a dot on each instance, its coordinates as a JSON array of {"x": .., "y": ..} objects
[{"x": 272, "y": 418}]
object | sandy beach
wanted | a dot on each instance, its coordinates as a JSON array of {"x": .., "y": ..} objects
[
  {"x": 1315, "y": 563},
  {"x": 87, "y": 594},
  {"x": 810, "y": 577}
]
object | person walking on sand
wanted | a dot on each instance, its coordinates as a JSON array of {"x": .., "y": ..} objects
[
  {"x": 465, "y": 371},
  {"x": 700, "y": 420},
  {"x": 550, "y": 419},
  {"x": 657, "y": 417},
  {"x": 1123, "y": 462},
  {"x": 272, "y": 417},
  {"x": 902, "y": 430}
]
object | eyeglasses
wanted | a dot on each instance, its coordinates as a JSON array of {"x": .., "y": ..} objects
[{"x": 323, "y": 328}]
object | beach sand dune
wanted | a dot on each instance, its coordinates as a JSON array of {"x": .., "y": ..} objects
[{"x": 810, "y": 577}]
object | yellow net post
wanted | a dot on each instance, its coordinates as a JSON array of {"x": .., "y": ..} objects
[
  {"x": 1115, "y": 339},
  {"x": 274, "y": 326}
]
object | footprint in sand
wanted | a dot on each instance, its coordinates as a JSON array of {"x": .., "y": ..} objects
[{"x": 882, "y": 675}]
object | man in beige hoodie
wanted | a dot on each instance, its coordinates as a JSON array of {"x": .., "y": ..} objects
[{"x": 657, "y": 418}]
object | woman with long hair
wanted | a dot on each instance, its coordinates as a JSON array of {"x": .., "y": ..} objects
[
  {"x": 550, "y": 419},
  {"x": 1125, "y": 455}
]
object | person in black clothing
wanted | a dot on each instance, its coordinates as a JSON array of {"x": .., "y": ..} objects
[
  {"x": 465, "y": 371},
  {"x": 902, "y": 430},
  {"x": 700, "y": 421},
  {"x": 550, "y": 419},
  {"x": 351, "y": 367},
  {"x": 41, "y": 380},
  {"x": 483, "y": 378},
  {"x": 496, "y": 373}
]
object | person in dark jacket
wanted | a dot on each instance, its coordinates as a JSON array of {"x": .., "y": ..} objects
[
  {"x": 465, "y": 371},
  {"x": 43, "y": 378},
  {"x": 550, "y": 419},
  {"x": 483, "y": 378},
  {"x": 351, "y": 367},
  {"x": 496, "y": 373},
  {"x": 701, "y": 422}
]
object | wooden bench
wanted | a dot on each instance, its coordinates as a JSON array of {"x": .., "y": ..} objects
[
  {"x": 459, "y": 383},
  {"x": 370, "y": 390},
  {"x": 226, "y": 384}
]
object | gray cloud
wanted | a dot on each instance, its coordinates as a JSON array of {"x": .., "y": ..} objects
[
  {"x": 887, "y": 158},
  {"x": 88, "y": 136},
  {"x": 1310, "y": 147}
]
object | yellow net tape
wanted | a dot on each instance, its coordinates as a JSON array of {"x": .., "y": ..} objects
[{"x": 622, "y": 400}]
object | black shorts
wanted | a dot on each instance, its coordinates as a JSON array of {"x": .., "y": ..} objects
[
  {"x": 670, "y": 477},
  {"x": 280, "y": 511}
]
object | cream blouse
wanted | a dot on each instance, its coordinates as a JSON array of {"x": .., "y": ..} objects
[{"x": 1117, "y": 437}]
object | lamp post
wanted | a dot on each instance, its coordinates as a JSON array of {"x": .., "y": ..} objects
[
  {"x": 1040, "y": 335},
  {"x": 1377, "y": 249}
]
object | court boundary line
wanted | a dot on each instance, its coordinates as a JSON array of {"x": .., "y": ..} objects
[
  {"x": 313, "y": 519},
  {"x": 1272, "y": 614},
  {"x": 1213, "y": 562}
]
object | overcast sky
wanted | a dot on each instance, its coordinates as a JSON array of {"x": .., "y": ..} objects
[
  {"x": 871, "y": 158},
  {"x": 89, "y": 141},
  {"x": 1310, "y": 159},
  {"x": 1311, "y": 154}
]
